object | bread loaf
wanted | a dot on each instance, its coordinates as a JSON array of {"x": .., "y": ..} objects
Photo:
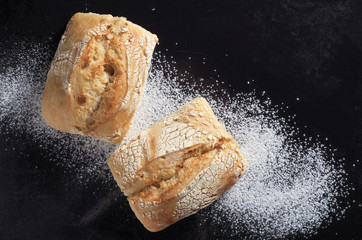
[
  {"x": 97, "y": 76},
  {"x": 178, "y": 166}
]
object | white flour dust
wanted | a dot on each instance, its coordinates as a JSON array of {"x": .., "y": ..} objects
[
  {"x": 293, "y": 186},
  {"x": 21, "y": 88}
]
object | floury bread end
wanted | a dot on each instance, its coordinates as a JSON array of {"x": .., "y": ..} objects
[{"x": 97, "y": 76}]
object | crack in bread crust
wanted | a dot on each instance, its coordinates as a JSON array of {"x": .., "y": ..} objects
[
  {"x": 160, "y": 176},
  {"x": 103, "y": 77}
]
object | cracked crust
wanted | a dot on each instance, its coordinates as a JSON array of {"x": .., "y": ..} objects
[
  {"x": 97, "y": 76},
  {"x": 178, "y": 166}
]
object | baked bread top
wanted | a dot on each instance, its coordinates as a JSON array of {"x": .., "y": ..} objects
[
  {"x": 192, "y": 125},
  {"x": 97, "y": 76},
  {"x": 178, "y": 166}
]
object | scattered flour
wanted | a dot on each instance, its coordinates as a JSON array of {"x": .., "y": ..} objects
[{"x": 293, "y": 186}]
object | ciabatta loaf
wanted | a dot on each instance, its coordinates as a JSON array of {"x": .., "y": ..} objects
[
  {"x": 97, "y": 76},
  {"x": 178, "y": 166}
]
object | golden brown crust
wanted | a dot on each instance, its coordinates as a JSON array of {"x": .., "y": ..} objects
[
  {"x": 97, "y": 76},
  {"x": 178, "y": 166}
]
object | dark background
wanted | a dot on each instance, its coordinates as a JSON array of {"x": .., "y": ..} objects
[{"x": 311, "y": 50}]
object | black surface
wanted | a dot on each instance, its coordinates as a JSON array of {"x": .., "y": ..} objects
[{"x": 292, "y": 49}]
